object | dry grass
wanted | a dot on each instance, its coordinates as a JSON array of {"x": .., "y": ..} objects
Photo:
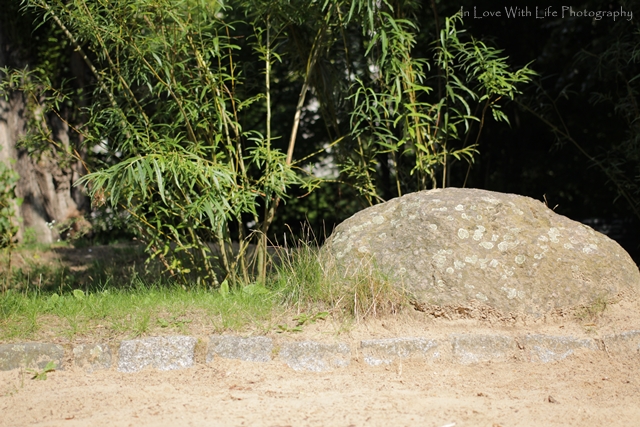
[{"x": 308, "y": 279}]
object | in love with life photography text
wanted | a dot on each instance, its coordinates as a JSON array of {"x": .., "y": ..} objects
[{"x": 543, "y": 12}]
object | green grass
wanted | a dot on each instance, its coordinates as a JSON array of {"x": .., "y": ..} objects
[
  {"x": 119, "y": 297},
  {"x": 134, "y": 311}
]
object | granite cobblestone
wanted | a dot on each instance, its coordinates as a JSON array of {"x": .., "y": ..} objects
[{"x": 179, "y": 352}]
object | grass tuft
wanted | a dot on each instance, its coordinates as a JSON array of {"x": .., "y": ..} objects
[{"x": 308, "y": 279}]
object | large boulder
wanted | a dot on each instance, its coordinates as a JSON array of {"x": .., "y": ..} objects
[{"x": 465, "y": 247}]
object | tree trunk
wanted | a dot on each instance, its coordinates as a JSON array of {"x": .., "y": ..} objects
[{"x": 45, "y": 187}]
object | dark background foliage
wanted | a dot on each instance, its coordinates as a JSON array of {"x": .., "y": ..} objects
[
  {"x": 585, "y": 67},
  {"x": 572, "y": 135}
]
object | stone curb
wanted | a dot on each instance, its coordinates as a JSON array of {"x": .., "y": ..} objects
[
  {"x": 162, "y": 353},
  {"x": 179, "y": 352},
  {"x": 315, "y": 356},
  {"x": 385, "y": 351}
]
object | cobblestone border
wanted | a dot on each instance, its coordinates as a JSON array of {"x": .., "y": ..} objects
[{"x": 179, "y": 352}]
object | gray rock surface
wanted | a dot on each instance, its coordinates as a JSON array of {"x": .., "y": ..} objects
[
  {"x": 385, "y": 351},
  {"x": 30, "y": 355},
  {"x": 315, "y": 356},
  {"x": 250, "y": 349},
  {"x": 458, "y": 247},
  {"x": 92, "y": 357},
  {"x": 162, "y": 353},
  {"x": 625, "y": 342},
  {"x": 474, "y": 348},
  {"x": 545, "y": 348}
]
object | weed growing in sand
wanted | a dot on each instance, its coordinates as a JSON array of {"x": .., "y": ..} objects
[
  {"x": 301, "y": 320},
  {"x": 592, "y": 311},
  {"x": 42, "y": 375}
]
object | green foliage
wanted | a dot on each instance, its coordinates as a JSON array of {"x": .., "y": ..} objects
[
  {"x": 166, "y": 106},
  {"x": 183, "y": 104},
  {"x": 428, "y": 120},
  {"x": 42, "y": 98},
  {"x": 8, "y": 225},
  {"x": 8, "y": 200},
  {"x": 29, "y": 236}
]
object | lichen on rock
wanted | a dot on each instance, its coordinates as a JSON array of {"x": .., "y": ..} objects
[{"x": 452, "y": 247}]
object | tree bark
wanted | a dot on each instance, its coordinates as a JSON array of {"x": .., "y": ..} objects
[{"x": 45, "y": 187}]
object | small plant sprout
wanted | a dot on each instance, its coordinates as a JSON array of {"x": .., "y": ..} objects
[{"x": 42, "y": 375}]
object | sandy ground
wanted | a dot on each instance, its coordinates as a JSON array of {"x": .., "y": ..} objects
[{"x": 587, "y": 390}]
